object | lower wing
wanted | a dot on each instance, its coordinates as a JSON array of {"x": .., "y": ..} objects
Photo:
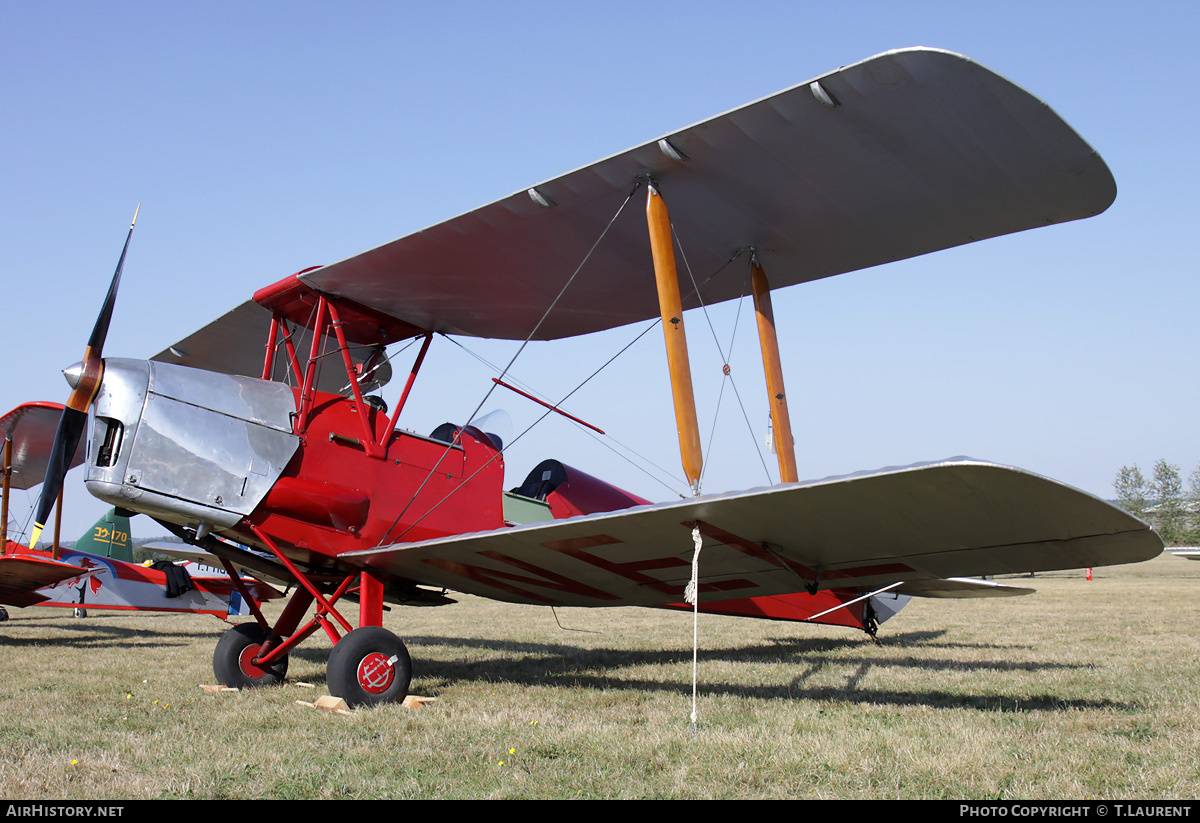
[{"x": 917, "y": 526}]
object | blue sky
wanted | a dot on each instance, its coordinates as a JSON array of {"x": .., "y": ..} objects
[{"x": 262, "y": 138}]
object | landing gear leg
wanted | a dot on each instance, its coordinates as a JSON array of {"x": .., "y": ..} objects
[{"x": 871, "y": 623}]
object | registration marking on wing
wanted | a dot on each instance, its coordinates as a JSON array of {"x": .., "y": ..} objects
[
  {"x": 762, "y": 553},
  {"x": 581, "y": 542}
]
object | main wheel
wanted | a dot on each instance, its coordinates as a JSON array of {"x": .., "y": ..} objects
[
  {"x": 3, "y": 614},
  {"x": 233, "y": 659},
  {"x": 369, "y": 666}
]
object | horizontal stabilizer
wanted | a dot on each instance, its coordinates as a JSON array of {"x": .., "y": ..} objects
[
  {"x": 962, "y": 587},
  {"x": 184, "y": 551}
]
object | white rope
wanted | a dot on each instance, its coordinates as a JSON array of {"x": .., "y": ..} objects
[{"x": 691, "y": 594}]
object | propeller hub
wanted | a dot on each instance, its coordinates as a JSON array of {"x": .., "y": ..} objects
[{"x": 73, "y": 374}]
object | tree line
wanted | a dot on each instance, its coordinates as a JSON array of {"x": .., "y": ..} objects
[{"x": 1162, "y": 501}]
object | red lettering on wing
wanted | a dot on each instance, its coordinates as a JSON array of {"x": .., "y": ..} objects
[
  {"x": 504, "y": 580},
  {"x": 759, "y": 552},
  {"x": 632, "y": 571},
  {"x": 581, "y": 542}
]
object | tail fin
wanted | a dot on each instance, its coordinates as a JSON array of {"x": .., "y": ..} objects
[{"x": 108, "y": 538}]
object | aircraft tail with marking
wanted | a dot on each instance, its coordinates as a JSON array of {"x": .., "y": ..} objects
[{"x": 109, "y": 537}]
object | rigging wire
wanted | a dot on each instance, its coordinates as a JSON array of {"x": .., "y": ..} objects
[
  {"x": 517, "y": 439},
  {"x": 529, "y": 428},
  {"x": 724, "y": 356},
  {"x": 554, "y": 610},
  {"x": 387, "y": 359},
  {"x": 608, "y": 441},
  {"x": 520, "y": 349}
]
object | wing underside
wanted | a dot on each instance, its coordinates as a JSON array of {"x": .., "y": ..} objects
[
  {"x": 233, "y": 344},
  {"x": 902, "y": 154},
  {"x": 31, "y": 426},
  {"x": 920, "y": 526}
]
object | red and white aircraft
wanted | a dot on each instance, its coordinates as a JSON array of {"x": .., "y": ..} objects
[
  {"x": 902, "y": 154},
  {"x": 98, "y": 572}
]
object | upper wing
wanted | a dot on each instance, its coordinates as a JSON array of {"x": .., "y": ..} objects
[
  {"x": 233, "y": 344},
  {"x": 31, "y": 427},
  {"x": 917, "y": 525},
  {"x": 924, "y": 150}
]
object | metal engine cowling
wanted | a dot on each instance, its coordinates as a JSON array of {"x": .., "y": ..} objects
[{"x": 192, "y": 447}]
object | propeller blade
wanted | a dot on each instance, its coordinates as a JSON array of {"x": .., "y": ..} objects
[
  {"x": 100, "y": 330},
  {"x": 84, "y": 388},
  {"x": 66, "y": 441}
]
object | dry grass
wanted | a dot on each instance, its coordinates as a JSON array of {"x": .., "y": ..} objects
[{"x": 1083, "y": 690}]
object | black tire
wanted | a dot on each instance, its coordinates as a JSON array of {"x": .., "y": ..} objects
[
  {"x": 232, "y": 659},
  {"x": 369, "y": 666},
  {"x": 3, "y": 614},
  {"x": 79, "y": 613}
]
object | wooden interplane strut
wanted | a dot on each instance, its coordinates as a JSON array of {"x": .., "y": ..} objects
[
  {"x": 662, "y": 248},
  {"x": 776, "y": 396}
]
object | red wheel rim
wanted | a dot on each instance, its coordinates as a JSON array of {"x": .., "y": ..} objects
[
  {"x": 376, "y": 673},
  {"x": 246, "y": 662}
]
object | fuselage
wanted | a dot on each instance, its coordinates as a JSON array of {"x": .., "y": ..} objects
[{"x": 220, "y": 453}]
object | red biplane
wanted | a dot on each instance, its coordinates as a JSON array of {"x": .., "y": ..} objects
[
  {"x": 902, "y": 154},
  {"x": 98, "y": 571}
]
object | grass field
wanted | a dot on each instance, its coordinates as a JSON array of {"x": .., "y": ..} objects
[{"x": 1084, "y": 690}]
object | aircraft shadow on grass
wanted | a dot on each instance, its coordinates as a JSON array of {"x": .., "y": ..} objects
[
  {"x": 563, "y": 665},
  {"x": 94, "y": 632}
]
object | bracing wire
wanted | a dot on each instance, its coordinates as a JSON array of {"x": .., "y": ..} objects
[
  {"x": 728, "y": 375},
  {"x": 506, "y": 369},
  {"x": 568, "y": 628},
  {"x": 608, "y": 441},
  {"x": 526, "y": 431},
  {"x": 387, "y": 359}
]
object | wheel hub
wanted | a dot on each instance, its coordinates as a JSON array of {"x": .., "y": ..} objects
[
  {"x": 246, "y": 662},
  {"x": 376, "y": 672}
]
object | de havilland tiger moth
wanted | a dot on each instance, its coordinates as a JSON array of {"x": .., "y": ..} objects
[{"x": 231, "y": 446}]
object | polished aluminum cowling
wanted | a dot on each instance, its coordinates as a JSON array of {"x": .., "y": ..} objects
[{"x": 192, "y": 447}]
